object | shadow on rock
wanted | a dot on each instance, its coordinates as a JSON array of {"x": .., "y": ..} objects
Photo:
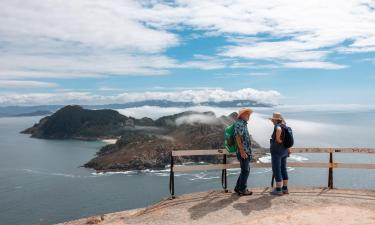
[
  {"x": 214, "y": 202},
  {"x": 254, "y": 204}
]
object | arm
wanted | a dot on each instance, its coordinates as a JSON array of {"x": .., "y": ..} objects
[
  {"x": 278, "y": 135},
  {"x": 241, "y": 147}
]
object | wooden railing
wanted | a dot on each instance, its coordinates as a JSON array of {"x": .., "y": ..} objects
[{"x": 224, "y": 166}]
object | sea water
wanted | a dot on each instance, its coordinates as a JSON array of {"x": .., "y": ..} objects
[{"x": 42, "y": 181}]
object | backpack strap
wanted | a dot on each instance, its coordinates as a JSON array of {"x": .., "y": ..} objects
[{"x": 283, "y": 130}]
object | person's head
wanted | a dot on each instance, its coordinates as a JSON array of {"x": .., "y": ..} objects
[
  {"x": 277, "y": 118},
  {"x": 245, "y": 113}
]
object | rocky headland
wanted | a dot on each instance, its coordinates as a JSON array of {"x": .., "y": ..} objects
[{"x": 142, "y": 143}]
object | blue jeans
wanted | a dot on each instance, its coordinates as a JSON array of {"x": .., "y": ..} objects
[
  {"x": 279, "y": 167},
  {"x": 245, "y": 171}
]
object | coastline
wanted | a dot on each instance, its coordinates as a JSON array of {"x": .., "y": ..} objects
[
  {"x": 301, "y": 206},
  {"x": 258, "y": 155},
  {"x": 109, "y": 141}
]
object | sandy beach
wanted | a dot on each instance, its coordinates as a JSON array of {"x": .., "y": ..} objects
[{"x": 308, "y": 206}]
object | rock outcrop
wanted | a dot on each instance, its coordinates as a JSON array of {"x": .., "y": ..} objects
[{"x": 142, "y": 143}]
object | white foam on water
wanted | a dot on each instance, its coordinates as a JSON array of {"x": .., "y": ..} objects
[
  {"x": 298, "y": 158},
  {"x": 130, "y": 172},
  {"x": 162, "y": 173},
  {"x": 234, "y": 169},
  {"x": 203, "y": 176},
  {"x": 293, "y": 158},
  {"x": 153, "y": 171},
  {"x": 52, "y": 174},
  {"x": 265, "y": 159}
]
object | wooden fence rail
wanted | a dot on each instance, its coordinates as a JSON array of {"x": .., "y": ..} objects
[{"x": 224, "y": 166}]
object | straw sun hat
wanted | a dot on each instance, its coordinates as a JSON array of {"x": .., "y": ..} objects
[
  {"x": 277, "y": 116},
  {"x": 245, "y": 110}
]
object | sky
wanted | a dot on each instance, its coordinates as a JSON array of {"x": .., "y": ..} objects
[{"x": 117, "y": 51}]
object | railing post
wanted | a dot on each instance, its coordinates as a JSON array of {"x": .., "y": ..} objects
[
  {"x": 224, "y": 175},
  {"x": 171, "y": 178},
  {"x": 330, "y": 171}
]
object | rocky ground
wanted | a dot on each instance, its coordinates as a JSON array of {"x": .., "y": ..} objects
[{"x": 309, "y": 206}]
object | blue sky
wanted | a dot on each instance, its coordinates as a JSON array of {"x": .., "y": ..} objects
[{"x": 284, "y": 52}]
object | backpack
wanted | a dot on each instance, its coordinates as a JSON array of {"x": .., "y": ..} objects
[
  {"x": 230, "y": 142},
  {"x": 287, "y": 136}
]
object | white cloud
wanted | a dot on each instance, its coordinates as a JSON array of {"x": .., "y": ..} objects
[
  {"x": 108, "y": 25},
  {"x": 315, "y": 65},
  {"x": 298, "y": 30},
  {"x": 46, "y": 98},
  {"x": 348, "y": 108},
  {"x": 236, "y": 75},
  {"x": 159, "y": 88},
  {"x": 100, "y": 65},
  {"x": 25, "y": 84},
  {"x": 110, "y": 89},
  {"x": 92, "y": 38},
  {"x": 196, "y": 96},
  {"x": 285, "y": 50},
  {"x": 197, "y": 118},
  {"x": 372, "y": 60}
]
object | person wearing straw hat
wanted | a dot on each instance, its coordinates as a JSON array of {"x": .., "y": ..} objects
[
  {"x": 279, "y": 155},
  {"x": 243, "y": 151}
]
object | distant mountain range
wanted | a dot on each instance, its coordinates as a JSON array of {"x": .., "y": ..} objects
[
  {"x": 10, "y": 111},
  {"x": 141, "y": 143},
  {"x": 34, "y": 113}
]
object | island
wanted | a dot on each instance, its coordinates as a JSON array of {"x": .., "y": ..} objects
[{"x": 141, "y": 143}]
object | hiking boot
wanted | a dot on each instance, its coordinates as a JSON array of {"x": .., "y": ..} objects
[
  {"x": 245, "y": 192},
  {"x": 285, "y": 191},
  {"x": 276, "y": 192}
]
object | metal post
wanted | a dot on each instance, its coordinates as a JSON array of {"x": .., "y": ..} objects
[
  {"x": 330, "y": 171},
  {"x": 171, "y": 178},
  {"x": 225, "y": 174}
]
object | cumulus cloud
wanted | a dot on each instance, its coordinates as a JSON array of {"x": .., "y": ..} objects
[
  {"x": 315, "y": 65},
  {"x": 295, "y": 34},
  {"x": 195, "y": 96},
  {"x": 197, "y": 118},
  {"x": 348, "y": 108},
  {"x": 91, "y": 38},
  {"x": 25, "y": 84},
  {"x": 108, "y": 25},
  {"x": 93, "y": 65},
  {"x": 198, "y": 96},
  {"x": 47, "y": 98}
]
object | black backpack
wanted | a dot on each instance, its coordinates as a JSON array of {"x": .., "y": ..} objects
[{"x": 287, "y": 136}]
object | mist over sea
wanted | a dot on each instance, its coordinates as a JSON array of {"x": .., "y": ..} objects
[{"x": 41, "y": 181}]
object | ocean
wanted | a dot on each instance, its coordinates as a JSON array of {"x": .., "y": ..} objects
[{"x": 42, "y": 181}]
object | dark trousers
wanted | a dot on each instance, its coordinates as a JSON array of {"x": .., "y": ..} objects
[
  {"x": 279, "y": 167},
  {"x": 245, "y": 171}
]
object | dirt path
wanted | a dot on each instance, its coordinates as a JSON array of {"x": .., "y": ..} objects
[{"x": 301, "y": 207}]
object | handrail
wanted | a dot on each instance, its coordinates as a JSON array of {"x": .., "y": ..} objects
[
  {"x": 293, "y": 150},
  {"x": 223, "y": 152}
]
